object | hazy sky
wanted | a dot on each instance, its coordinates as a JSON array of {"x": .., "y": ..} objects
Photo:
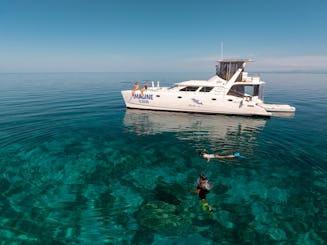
[{"x": 161, "y": 35}]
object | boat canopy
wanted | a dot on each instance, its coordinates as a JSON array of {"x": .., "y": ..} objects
[{"x": 227, "y": 68}]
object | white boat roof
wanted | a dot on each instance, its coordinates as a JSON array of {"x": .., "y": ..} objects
[
  {"x": 213, "y": 81},
  {"x": 236, "y": 60}
]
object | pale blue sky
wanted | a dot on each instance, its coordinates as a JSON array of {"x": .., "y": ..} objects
[{"x": 166, "y": 35}]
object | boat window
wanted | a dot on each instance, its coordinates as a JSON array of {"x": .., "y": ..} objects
[
  {"x": 241, "y": 90},
  {"x": 237, "y": 90},
  {"x": 252, "y": 90},
  {"x": 226, "y": 69},
  {"x": 189, "y": 88},
  {"x": 206, "y": 89},
  {"x": 256, "y": 90}
]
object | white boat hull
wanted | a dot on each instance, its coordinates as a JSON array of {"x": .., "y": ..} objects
[
  {"x": 277, "y": 107},
  {"x": 162, "y": 99}
]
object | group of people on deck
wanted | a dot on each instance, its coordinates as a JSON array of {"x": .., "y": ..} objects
[{"x": 137, "y": 87}]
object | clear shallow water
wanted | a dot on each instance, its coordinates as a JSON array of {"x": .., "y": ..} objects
[{"x": 78, "y": 168}]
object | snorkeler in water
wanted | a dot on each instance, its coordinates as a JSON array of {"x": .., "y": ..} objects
[
  {"x": 203, "y": 188},
  {"x": 210, "y": 156}
]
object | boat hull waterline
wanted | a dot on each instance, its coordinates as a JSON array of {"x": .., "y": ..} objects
[{"x": 163, "y": 101}]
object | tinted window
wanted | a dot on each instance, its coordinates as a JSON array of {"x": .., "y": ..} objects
[
  {"x": 189, "y": 88},
  {"x": 206, "y": 89},
  {"x": 237, "y": 90}
]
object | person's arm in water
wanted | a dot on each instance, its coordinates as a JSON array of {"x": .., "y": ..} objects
[{"x": 195, "y": 191}]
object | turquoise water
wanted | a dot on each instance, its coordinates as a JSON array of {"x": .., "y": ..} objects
[{"x": 78, "y": 168}]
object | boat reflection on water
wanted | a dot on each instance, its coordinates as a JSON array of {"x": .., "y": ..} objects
[{"x": 209, "y": 131}]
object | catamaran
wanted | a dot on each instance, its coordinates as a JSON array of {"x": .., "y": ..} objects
[{"x": 231, "y": 91}]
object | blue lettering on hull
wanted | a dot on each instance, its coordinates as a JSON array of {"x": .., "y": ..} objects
[{"x": 143, "y": 98}]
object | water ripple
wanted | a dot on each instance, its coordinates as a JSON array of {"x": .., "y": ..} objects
[{"x": 76, "y": 167}]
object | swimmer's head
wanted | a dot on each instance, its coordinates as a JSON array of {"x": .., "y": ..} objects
[
  {"x": 201, "y": 154},
  {"x": 203, "y": 177}
]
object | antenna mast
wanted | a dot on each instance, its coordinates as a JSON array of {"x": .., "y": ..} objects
[{"x": 222, "y": 50}]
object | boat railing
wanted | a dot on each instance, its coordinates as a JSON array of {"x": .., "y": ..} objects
[
  {"x": 252, "y": 79},
  {"x": 244, "y": 76},
  {"x": 158, "y": 84}
]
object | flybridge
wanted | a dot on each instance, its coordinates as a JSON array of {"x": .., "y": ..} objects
[{"x": 227, "y": 68}]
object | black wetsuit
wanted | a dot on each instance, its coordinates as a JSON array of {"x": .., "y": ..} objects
[{"x": 203, "y": 191}]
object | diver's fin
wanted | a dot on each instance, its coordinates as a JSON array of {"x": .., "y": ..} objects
[
  {"x": 204, "y": 206},
  {"x": 237, "y": 154}
]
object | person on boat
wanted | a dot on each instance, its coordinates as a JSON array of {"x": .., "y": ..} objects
[
  {"x": 203, "y": 188},
  {"x": 145, "y": 88},
  {"x": 136, "y": 87}
]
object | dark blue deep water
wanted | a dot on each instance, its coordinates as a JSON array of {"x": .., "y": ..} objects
[{"x": 76, "y": 167}]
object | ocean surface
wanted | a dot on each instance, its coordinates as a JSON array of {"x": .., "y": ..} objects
[{"x": 76, "y": 167}]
